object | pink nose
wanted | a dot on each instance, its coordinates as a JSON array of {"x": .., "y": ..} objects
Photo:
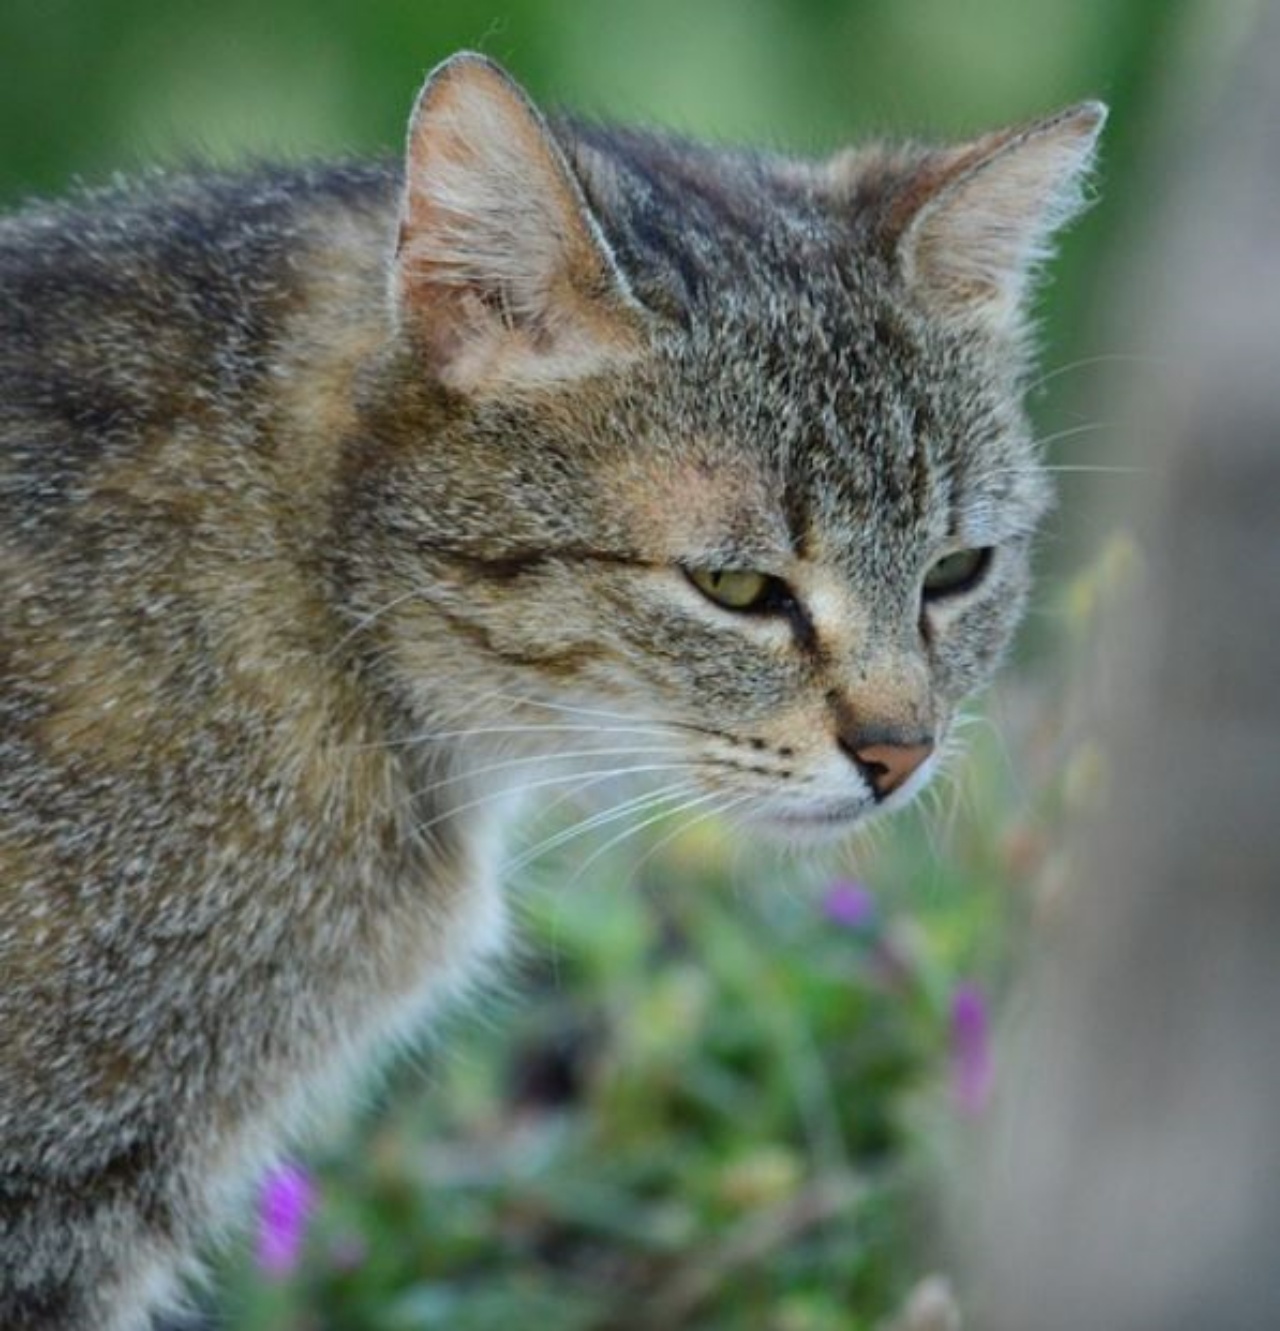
[{"x": 887, "y": 766}]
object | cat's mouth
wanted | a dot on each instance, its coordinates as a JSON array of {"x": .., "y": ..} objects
[
  {"x": 821, "y": 820},
  {"x": 841, "y": 813},
  {"x": 824, "y": 819}
]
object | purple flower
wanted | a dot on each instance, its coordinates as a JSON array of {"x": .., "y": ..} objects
[
  {"x": 285, "y": 1202},
  {"x": 849, "y": 905},
  {"x": 971, "y": 1065}
]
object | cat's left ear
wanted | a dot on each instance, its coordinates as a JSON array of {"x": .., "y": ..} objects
[
  {"x": 970, "y": 225},
  {"x": 501, "y": 272}
]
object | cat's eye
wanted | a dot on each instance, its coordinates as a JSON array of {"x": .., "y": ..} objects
[
  {"x": 957, "y": 572},
  {"x": 738, "y": 589}
]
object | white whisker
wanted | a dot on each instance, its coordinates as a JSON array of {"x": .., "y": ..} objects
[
  {"x": 696, "y": 802},
  {"x": 1086, "y": 362},
  {"x": 718, "y": 811},
  {"x": 534, "y": 759},
  {"x": 1072, "y": 431},
  {"x": 438, "y": 736},
  {"x": 637, "y": 804},
  {"x": 1090, "y": 469},
  {"x": 572, "y": 709},
  {"x": 984, "y": 722},
  {"x": 541, "y": 784},
  {"x": 367, "y": 621}
]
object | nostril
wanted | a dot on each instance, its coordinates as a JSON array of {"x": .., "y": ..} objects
[
  {"x": 885, "y": 766},
  {"x": 872, "y": 772}
]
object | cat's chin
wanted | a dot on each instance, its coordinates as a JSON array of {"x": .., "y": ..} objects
[{"x": 813, "y": 824}]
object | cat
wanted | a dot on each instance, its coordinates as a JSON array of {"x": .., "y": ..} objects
[{"x": 336, "y": 501}]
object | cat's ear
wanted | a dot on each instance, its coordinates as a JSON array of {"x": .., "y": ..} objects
[
  {"x": 970, "y": 225},
  {"x": 501, "y": 272}
]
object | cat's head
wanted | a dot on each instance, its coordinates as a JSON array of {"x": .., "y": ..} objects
[{"x": 722, "y": 445}]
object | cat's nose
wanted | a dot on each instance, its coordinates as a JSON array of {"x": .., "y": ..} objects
[{"x": 886, "y": 763}]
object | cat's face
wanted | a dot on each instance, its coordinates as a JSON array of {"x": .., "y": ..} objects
[
  {"x": 831, "y": 536},
  {"x": 744, "y": 483},
  {"x": 792, "y": 559}
]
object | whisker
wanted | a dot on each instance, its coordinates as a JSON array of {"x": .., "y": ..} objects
[
  {"x": 696, "y": 802},
  {"x": 1091, "y": 469},
  {"x": 982, "y": 721},
  {"x": 367, "y": 621},
  {"x": 551, "y": 728},
  {"x": 684, "y": 826},
  {"x": 533, "y": 759},
  {"x": 548, "y": 810},
  {"x": 1088, "y": 427},
  {"x": 1118, "y": 357},
  {"x": 454, "y": 810},
  {"x": 869, "y": 834},
  {"x": 591, "y": 820},
  {"x": 930, "y": 835},
  {"x": 954, "y": 774},
  {"x": 637, "y": 804},
  {"x": 574, "y": 709}
]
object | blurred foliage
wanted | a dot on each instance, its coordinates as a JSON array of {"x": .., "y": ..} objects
[
  {"x": 703, "y": 1103},
  {"x": 94, "y": 85}
]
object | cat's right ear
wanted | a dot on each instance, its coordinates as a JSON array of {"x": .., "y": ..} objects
[
  {"x": 968, "y": 227},
  {"x": 502, "y": 275}
]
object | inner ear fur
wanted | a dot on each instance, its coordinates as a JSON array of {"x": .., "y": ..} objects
[
  {"x": 967, "y": 227},
  {"x": 501, "y": 272}
]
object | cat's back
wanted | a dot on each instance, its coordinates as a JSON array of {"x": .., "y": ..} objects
[
  {"x": 162, "y": 346},
  {"x": 130, "y": 309}
]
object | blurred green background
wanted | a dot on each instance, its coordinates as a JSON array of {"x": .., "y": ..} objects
[
  {"x": 93, "y": 86},
  {"x": 708, "y": 1094}
]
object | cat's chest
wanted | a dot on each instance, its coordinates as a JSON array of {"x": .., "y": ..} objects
[
  {"x": 448, "y": 926},
  {"x": 405, "y": 939}
]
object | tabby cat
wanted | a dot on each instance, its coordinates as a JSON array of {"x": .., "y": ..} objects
[{"x": 335, "y": 500}]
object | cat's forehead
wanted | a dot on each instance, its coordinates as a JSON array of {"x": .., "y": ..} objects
[
  {"x": 799, "y": 372},
  {"x": 840, "y": 402}
]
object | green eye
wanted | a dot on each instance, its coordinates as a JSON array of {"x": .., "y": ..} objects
[
  {"x": 956, "y": 573},
  {"x": 735, "y": 589}
]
